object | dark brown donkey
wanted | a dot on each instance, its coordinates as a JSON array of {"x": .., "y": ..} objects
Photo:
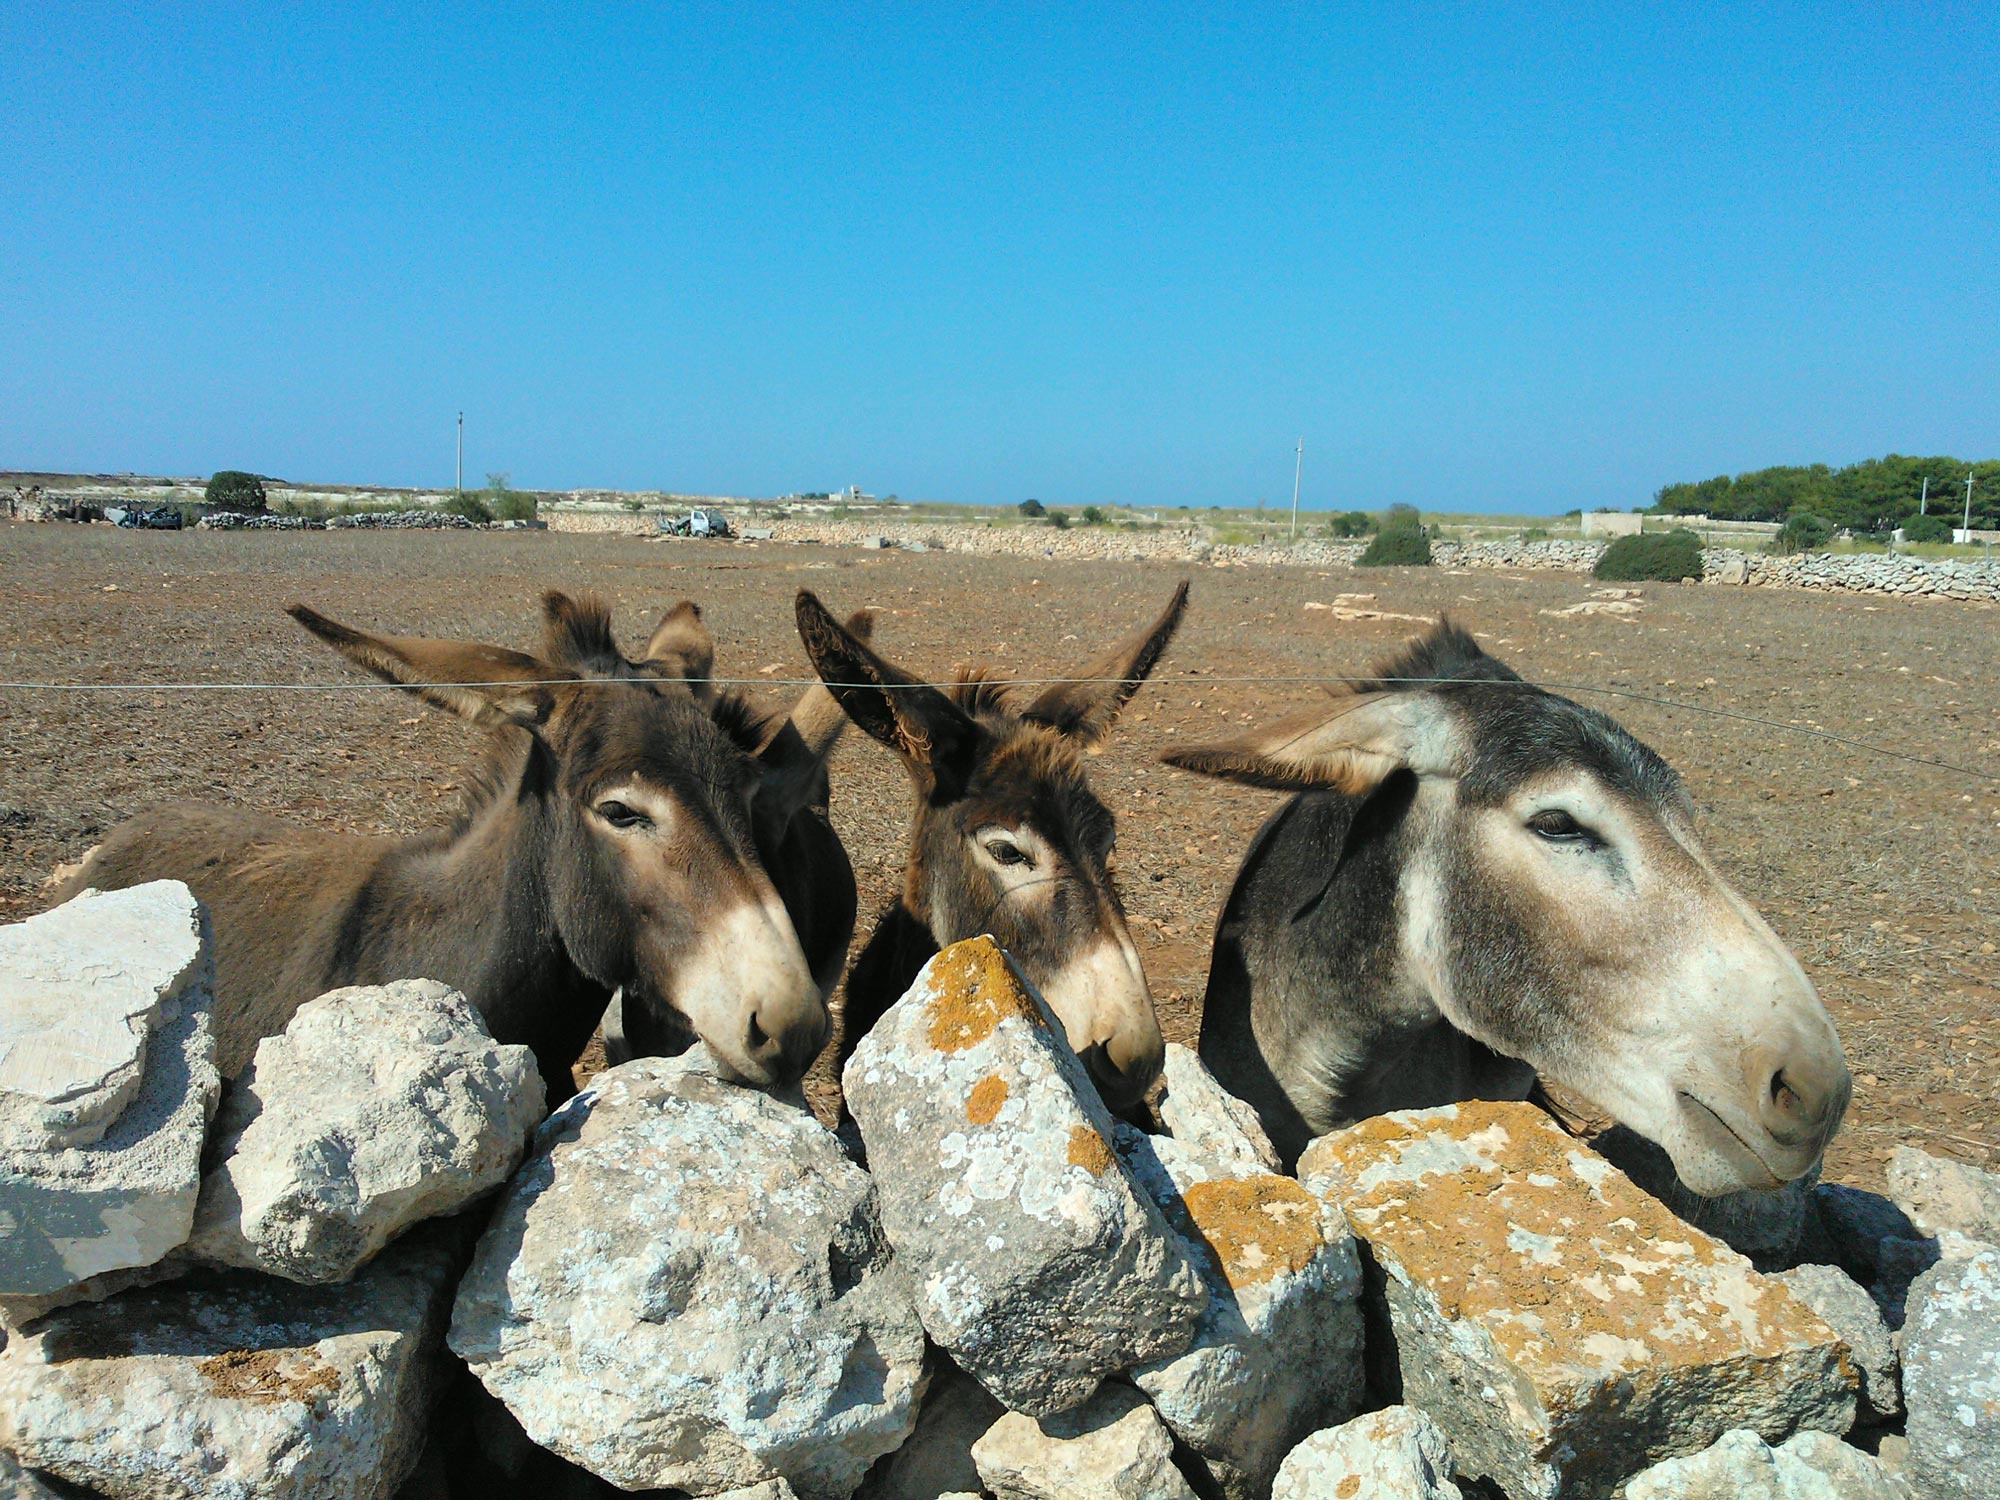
[
  {"x": 1006, "y": 838},
  {"x": 612, "y": 840}
]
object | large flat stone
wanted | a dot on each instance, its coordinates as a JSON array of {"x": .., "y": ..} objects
[
  {"x": 1396, "y": 1453},
  {"x": 235, "y": 1386},
  {"x": 1277, "y": 1355},
  {"x": 687, "y": 1285},
  {"x": 1742, "y": 1466},
  {"x": 1562, "y": 1327},
  {"x": 1040, "y": 1267},
  {"x": 1113, "y": 1447},
  {"x": 1951, "y": 1377},
  {"x": 379, "y": 1106},
  {"x": 1845, "y": 1307},
  {"x": 107, "y": 1080},
  {"x": 1940, "y": 1194}
]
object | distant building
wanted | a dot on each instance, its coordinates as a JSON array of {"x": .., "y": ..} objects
[{"x": 1611, "y": 523}]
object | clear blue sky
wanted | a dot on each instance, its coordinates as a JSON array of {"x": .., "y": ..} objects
[{"x": 1489, "y": 258}]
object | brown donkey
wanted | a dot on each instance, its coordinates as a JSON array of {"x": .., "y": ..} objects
[
  {"x": 1006, "y": 838},
  {"x": 612, "y": 839}
]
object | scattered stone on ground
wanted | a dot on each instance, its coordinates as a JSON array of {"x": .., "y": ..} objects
[
  {"x": 1951, "y": 1377},
  {"x": 233, "y": 1385},
  {"x": 1113, "y": 1447},
  {"x": 1766, "y": 1226},
  {"x": 378, "y": 1107},
  {"x": 1209, "y": 1120},
  {"x": 1559, "y": 1324},
  {"x": 1939, "y": 1194},
  {"x": 1396, "y": 1453},
  {"x": 107, "y": 1080},
  {"x": 1002, "y": 1195},
  {"x": 1845, "y": 1307},
  {"x": 1742, "y": 1466},
  {"x": 687, "y": 1285},
  {"x": 936, "y": 1459},
  {"x": 1278, "y": 1353}
]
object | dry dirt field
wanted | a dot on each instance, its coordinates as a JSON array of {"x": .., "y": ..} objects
[{"x": 1883, "y": 875}]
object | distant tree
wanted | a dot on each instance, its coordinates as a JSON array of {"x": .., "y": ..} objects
[
  {"x": 1350, "y": 523},
  {"x": 1876, "y": 494},
  {"x": 1927, "y": 528},
  {"x": 1802, "y": 532},
  {"x": 1659, "y": 556},
  {"x": 1059, "y": 520},
  {"x": 1399, "y": 541},
  {"x": 1091, "y": 516},
  {"x": 232, "y": 489},
  {"x": 1032, "y": 508}
]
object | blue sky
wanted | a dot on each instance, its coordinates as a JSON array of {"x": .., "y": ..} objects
[{"x": 1484, "y": 258}]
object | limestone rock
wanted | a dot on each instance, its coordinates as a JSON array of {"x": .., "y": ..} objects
[
  {"x": 1951, "y": 1377},
  {"x": 1938, "y": 1194},
  {"x": 687, "y": 1285},
  {"x": 1039, "y": 1267},
  {"x": 1278, "y": 1353},
  {"x": 1209, "y": 1120},
  {"x": 770, "y": 1489},
  {"x": 1766, "y": 1226},
  {"x": 17, "y": 1483},
  {"x": 1850, "y": 1312},
  {"x": 229, "y": 1384},
  {"x": 1742, "y": 1466},
  {"x": 1854, "y": 1223},
  {"x": 107, "y": 1080},
  {"x": 1113, "y": 1447},
  {"x": 937, "y": 1459},
  {"x": 1396, "y": 1453},
  {"x": 1559, "y": 1324},
  {"x": 378, "y": 1107}
]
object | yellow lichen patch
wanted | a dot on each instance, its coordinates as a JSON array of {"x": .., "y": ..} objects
[
  {"x": 1348, "y": 1488},
  {"x": 257, "y": 1375},
  {"x": 984, "y": 1102},
  {"x": 973, "y": 987},
  {"x": 1256, "y": 1227},
  {"x": 1087, "y": 1150},
  {"x": 1570, "y": 1269}
]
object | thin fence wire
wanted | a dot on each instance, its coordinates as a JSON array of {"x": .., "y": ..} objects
[{"x": 1679, "y": 705}]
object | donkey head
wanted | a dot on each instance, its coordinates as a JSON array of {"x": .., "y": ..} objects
[
  {"x": 637, "y": 787},
  {"x": 1007, "y": 837},
  {"x": 1556, "y": 905}
]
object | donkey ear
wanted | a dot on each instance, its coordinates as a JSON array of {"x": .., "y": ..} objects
[
  {"x": 489, "y": 685},
  {"x": 682, "y": 647},
  {"x": 1085, "y": 709},
  {"x": 1350, "y": 748},
  {"x": 932, "y": 734}
]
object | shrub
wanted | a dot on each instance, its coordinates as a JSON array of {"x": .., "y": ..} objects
[
  {"x": 1400, "y": 542},
  {"x": 1653, "y": 556},
  {"x": 1927, "y": 528},
  {"x": 468, "y": 503},
  {"x": 1535, "y": 534},
  {"x": 1092, "y": 516},
  {"x": 1032, "y": 508},
  {"x": 1802, "y": 532},
  {"x": 1059, "y": 520},
  {"x": 1350, "y": 523},
  {"x": 232, "y": 489}
]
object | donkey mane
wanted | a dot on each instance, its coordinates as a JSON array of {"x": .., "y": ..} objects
[
  {"x": 982, "y": 689},
  {"x": 1445, "y": 652}
]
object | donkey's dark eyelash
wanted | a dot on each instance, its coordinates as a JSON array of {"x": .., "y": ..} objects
[
  {"x": 1559, "y": 827},
  {"x": 618, "y": 815},
  {"x": 1007, "y": 854}
]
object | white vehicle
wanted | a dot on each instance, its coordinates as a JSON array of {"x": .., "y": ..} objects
[{"x": 701, "y": 521}]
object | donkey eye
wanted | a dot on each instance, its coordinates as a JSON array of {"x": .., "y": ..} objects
[
  {"x": 1558, "y": 827},
  {"x": 619, "y": 815},
  {"x": 1005, "y": 853}
]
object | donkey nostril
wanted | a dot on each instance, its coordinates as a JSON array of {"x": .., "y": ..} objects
[
  {"x": 1785, "y": 1097},
  {"x": 755, "y": 1038}
]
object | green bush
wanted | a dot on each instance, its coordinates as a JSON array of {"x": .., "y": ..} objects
[
  {"x": 1059, "y": 520},
  {"x": 1654, "y": 556},
  {"x": 1031, "y": 508},
  {"x": 1802, "y": 532},
  {"x": 1092, "y": 516},
  {"x": 1400, "y": 542},
  {"x": 1350, "y": 523},
  {"x": 468, "y": 503},
  {"x": 1927, "y": 529},
  {"x": 1535, "y": 534},
  {"x": 232, "y": 489}
]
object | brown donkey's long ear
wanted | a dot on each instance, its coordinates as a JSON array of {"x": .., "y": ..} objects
[
  {"x": 794, "y": 757},
  {"x": 682, "y": 647},
  {"x": 1351, "y": 747},
  {"x": 489, "y": 685},
  {"x": 932, "y": 734},
  {"x": 1085, "y": 709}
]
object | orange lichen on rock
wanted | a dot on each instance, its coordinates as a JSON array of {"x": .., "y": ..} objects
[
  {"x": 983, "y": 1103},
  {"x": 1088, "y": 1150},
  {"x": 259, "y": 1375},
  {"x": 973, "y": 988},
  {"x": 1256, "y": 1228}
]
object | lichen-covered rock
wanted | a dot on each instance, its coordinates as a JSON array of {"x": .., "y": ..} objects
[
  {"x": 1766, "y": 1226},
  {"x": 687, "y": 1285},
  {"x": 1939, "y": 1194},
  {"x": 937, "y": 1458},
  {"x": 1113, "y": 1447},
  {"x": 1278, "y": 1353},
  {"x": 1039, "y": 1267},
  {"x": 1396, "y": 1453},
  {"x": 1559, "y": 1324},
  {"x": 1209, "y": 1120},
  {"x": 107, "y": 1081},
  {"x": 1951, "y": 1377},
  {"x": 1849, "y": 1311},
  {"x": 231, "y": 1385},
  {"x": 1742, "y": 1466},
  {"x": 378, "y": 1107}
]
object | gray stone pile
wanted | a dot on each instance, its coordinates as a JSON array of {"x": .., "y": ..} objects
[
  {"x": 401, "y": 520},
  {"x": 676, "y": 1284},
  {"x": 233, "y": 520}
]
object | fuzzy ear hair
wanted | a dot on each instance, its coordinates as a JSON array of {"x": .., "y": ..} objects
[
  {"x": 796, "y": 749},
  {"x": 576, "y": 634},
  {"x": 489, "y": 685},
  {"x": 933, "y": 735},
  {"x": 1352, "y": 747},
  {"x": 682, "y": 647},
  {"x": 1086, "y": 709}
]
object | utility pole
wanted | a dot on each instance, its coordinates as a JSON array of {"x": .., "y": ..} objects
[
  {"x": 1297, "y": 468},
  {"x": 1924, "y": 500},
  {"x": 1968, "y": 508},
  {"x": 458, "y": 483}
]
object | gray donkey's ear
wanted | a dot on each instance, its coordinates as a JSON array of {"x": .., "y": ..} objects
[
  {"x": 489, "y": 685},
  {"x": 1352, "y": 746},
  {"x": 1085, "y": 709}
]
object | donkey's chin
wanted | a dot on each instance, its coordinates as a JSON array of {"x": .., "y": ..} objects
[{"x": 1711, "y": 1157}]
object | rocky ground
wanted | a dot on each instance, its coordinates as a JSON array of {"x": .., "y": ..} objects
[{"x": 1883, "y": 874}]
